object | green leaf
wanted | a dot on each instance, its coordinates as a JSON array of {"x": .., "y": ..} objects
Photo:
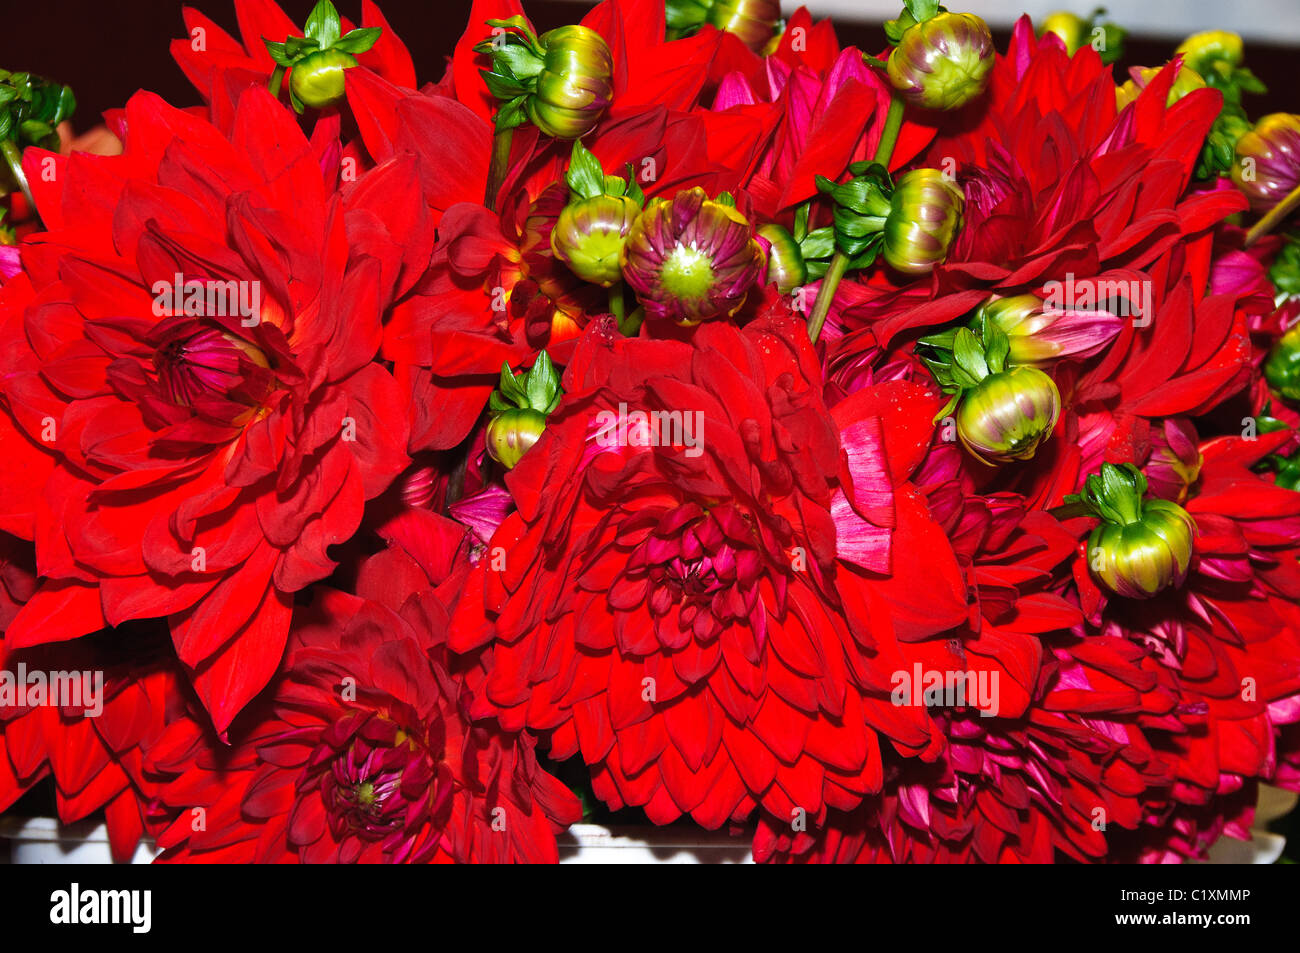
[
  {"x": 323, "y": 23},
  {"x": 585, "y": 177},
  {"x": 359, "y": 40}
]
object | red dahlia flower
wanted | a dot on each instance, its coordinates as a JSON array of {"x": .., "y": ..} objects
[
  {"x": 208, "y": 450},
  {"x": 83, "y": 715},
  {"x": 700, "y": 571},
  {"x": 359, "y": 753}
]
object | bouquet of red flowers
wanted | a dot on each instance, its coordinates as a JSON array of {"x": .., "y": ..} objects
[{"x": 879, "y": 457}]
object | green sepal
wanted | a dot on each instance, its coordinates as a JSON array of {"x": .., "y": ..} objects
[
  {"x": 359, "y": 40},
  {"x": 1113, "y": 494},
  {"x": 684, "y": 17},
  {"x": 298, "y": 47},
  {"x": 969, "y": 366},
  {"x": 585, "y": 176},
  {"x": 819, "y": 243},
  {"x": 922, "y": 10},
  {"x": 1285, "y": 270},
  {"x": 537, "y": 389},
  {"x": 323, "y": 24}
]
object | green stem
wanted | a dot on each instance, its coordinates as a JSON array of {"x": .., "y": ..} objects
[
  {"x": 277, "y": 77},
  {"x": 14, "y": 159},
  {"x": 630, "y": 326},
  {"x": 889, "y": 138},
  {"x": 616, "y": 307},
  {"x": 840, "y": 261},
  {"x": 839, "y": 264},
  {"x": 1270, "y": 221},
  {"x": 500, "y": 164}
]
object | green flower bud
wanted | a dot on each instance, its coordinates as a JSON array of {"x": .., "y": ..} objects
[
  {"x": 1282, "y": 366},
  {"x": 755, "y": 22},
  {"x": 317, "y": 79},
  {"x": 1202, "y": 50},
  {"x": 1071, "y": 28},
  {"x": 691, "y": 258},
  {"x": 318, "y": 58},
  {"x": 785, "y": 265},
  {"x": 519, "y": 407},
  {"x": 590, "y": 234},
  {"x": 942, "y": 62},
  {"x": 924, "y": 215},
  {"x": 1007, "y": 415},
  {"x": 1267, "y": 166},
  {"x": 511, "y": 433},
  {"x": 575, "y": 86},
  {"x": 1076, "y": 32},
  {"x": 1142, "y": 545}
]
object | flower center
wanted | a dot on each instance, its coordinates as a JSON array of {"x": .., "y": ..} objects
[
  {"x": 373, "y": 776},
  {"x": 687, "y": 272},
  {"x": 209, "y": 370},
  {"x": 700, "y": 573}
]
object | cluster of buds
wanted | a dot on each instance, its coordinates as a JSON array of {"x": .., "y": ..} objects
[
  {"x": 911, "y": 222},
  {"x": 940, "y": 60},
  {"x": 519, "y": 408},
  {"x": 757, "y": 23},
  {"x": 1267, "y": 166},
  {"x": 562, "y": 81},
  {"x": 1003, "y": 412},
  {"x": 1216, "y": 56},
  {"x": 1141, "y": 545},
  {"x": 593, "y": 227},
  {"x": 317, "y": 60},
  {"x": 1076, "y": 32},
  {"x": 691, "y": 258}
]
